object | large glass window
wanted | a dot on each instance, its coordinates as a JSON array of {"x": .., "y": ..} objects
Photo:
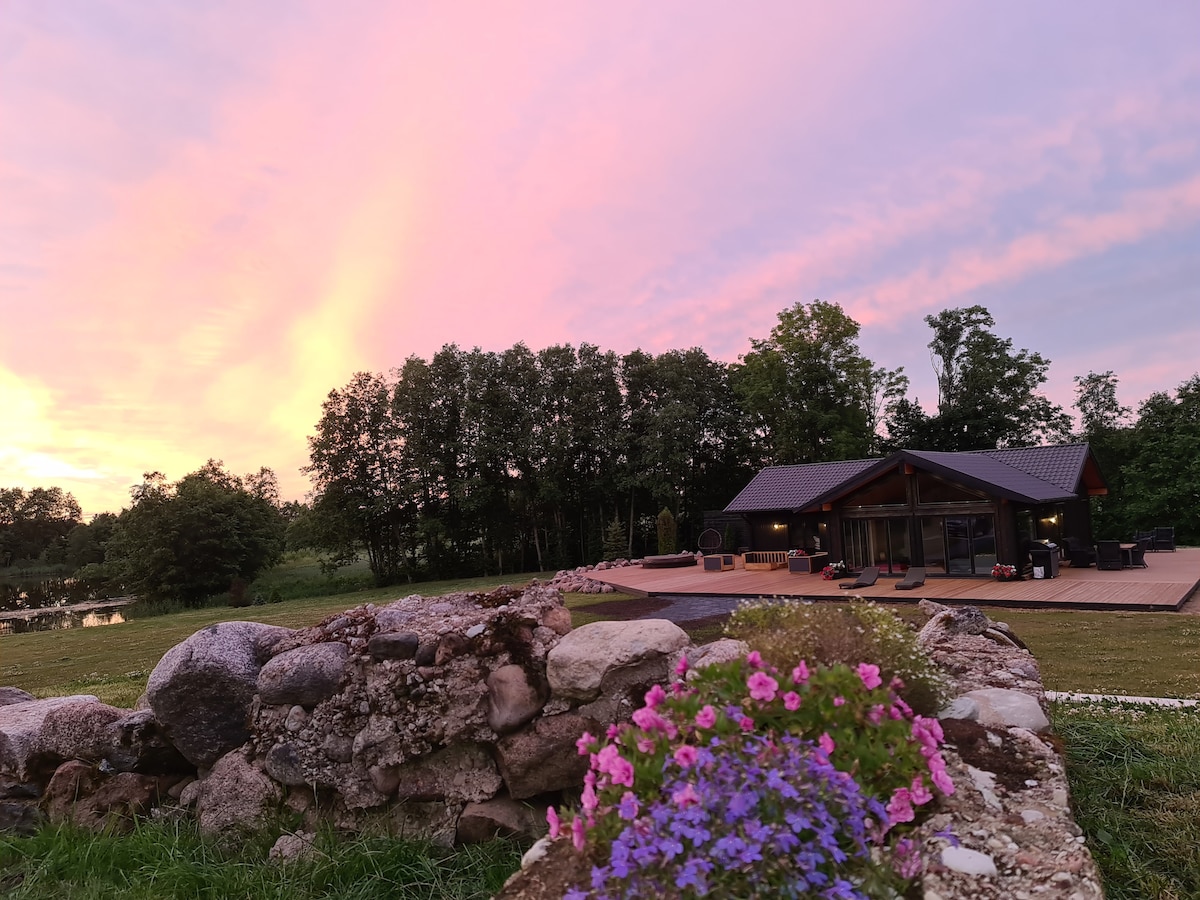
[
  {"x": 890, "y": 490},
  {"x": 931, "y": 489},
  {"x": 968, "y": 543},
  {"x": 878, "y": 542}
]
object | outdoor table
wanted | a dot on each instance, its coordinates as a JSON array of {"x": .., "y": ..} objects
[{"x": 1127, "y": 555}]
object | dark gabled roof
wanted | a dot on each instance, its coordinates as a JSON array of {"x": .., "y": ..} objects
[
  {"x": 795, "y": 487},
  {"x": 985, "y": 472},
  {"x": 1024, "y": 475}
]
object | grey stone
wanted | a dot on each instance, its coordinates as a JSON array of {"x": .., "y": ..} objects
[
  {"x": 544, "y": 757},
  {"x": 81, "y": 729},
  {"x": 304, "y": 676},
  {"x": 499, "y": 817},
  {"x": 576, "y": 666},
  {"x": 967, "y": 861},
  {"x": 201, "y": 690},
  {"x": 458, "y": 773},
  {"x": 22, "y": 752},
  {"x": 1001, "y": 706},
  {"x": 21, "y": 819},
  {"x": 393, "y": 645},
  {"x": 514, "y": 698},
  {"x": 137, "y": 743},
  {"x": 426, "y": 653},
  {"x": 283, "y": 763},
  {"x": 11, "y": 695},
  {"x": 961, "y": 708},
  {"x": 235, "y": 794},
  {"x": 293, "y": 847}
]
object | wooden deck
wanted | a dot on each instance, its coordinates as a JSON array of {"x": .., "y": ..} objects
[{"x": 1162, "y": 587}]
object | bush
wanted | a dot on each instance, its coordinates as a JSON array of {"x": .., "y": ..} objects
[
  {"x": 738, "y": 783},
  {"x": 787, "y": 632}
]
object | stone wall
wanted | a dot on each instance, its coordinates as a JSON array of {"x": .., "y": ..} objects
[{"x": 455, "y": 719}]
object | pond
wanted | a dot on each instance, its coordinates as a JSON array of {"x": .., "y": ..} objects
[{"x": 43, "y": 603}]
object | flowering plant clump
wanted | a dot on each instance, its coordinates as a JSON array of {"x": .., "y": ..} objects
[
  {"x": 835, "y": 570},
  {"x": 806, "y": 779},
  {"x": 1003, "y": 571}
]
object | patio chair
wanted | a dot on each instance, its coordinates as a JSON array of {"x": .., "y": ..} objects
[
  {"x": 1078, "y": 555},
  {"x": 1109, "y": 556},
  {"x": 709, "y": 541},
  {"x": 1164, "y": 538},
  {"x": 913, "y": 578},
  {"x": 867, "y": 578},
  {"x": 1138, "y": 554}
]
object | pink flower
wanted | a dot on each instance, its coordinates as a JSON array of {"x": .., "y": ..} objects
[
  {"x": 870, "y": 676},
  {"x": 612, "y": 732},
  {"x": 800, "y": 674},
  {"x": 577, "y": 835},
  {"x": 584, "y": 744},
  {"x": 839, "y": 701},
  {"x": 937, "y": 774},
  {"x": 762, "y": 687},
  {"x": 686, "y": 755},
  {"x": 681, "y": 667},
  {"x": 826, "y": 743},
  {"x": 706, "y": 718},
  {"x": 746, "y": 723},
  {"x": 588, "y": 799},
  {"x": 791, "y": 701},
  {"x": 648, "y": 720},
  {"x": 754, "y": 660},
  {"x": 645, "y": 745},
  {"x": 920, "y": 794},
  {"x": 621, "y": 772},
  {"x": 555, "y": 824},
  {"x": 875, "y": 714},
  {"x": 685, "y": 797},
  {"x": 899, "y": 808},
  {"x": 655, "y": 696}
]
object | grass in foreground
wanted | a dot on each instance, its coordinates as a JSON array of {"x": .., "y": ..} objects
[
  {"x": 1135, "y": 785},
  {"x": 172, "y": 860}
]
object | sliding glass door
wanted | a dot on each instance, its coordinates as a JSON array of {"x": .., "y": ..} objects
[{"x": 959, "y": 545}]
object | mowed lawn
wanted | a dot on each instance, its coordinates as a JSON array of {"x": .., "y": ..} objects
[{"x": 1143, "y": 654}]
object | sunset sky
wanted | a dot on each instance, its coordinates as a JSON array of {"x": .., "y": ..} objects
[{"x": 213, "y": 213}]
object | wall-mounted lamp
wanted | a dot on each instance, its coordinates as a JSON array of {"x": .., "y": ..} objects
[{"x": 778, "y": 525}]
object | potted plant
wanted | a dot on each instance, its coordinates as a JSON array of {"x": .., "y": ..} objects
[
  {"x": 835, "y": 570},
  {"x": 1004, "y": 572}
]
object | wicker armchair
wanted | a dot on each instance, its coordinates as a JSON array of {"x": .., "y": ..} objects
[
  {"x": 1109, "y": 555},
  {"x": 1138, "y": 554},
  {"x": 1077, "y": 553},
  {"x": 1164, "y": 538}
]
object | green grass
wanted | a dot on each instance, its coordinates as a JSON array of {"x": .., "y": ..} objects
[
  {"x": 170, "y": 860},
  {"x": 1135, "y": 786}
]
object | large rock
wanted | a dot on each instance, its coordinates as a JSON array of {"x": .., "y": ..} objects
[
  {"x": 235, "y": 794},
  {"x": 514, "y": 698},
  {"x": 577, "y": 665},
  {"x": 137, "y": 743},
  {"x": 11, "y": 695},
  {"x": 544, "y": 758},
  {"x": 304, "y": 676},
  {"x": 499, "y": 817},
  {"x": 1001, "y": 706},
  {"x": 80, "y": 793},
  {"x": 81, "y": 729},
  {"x": 201, "y": 690},
  {"x": 22, "y": 750}
]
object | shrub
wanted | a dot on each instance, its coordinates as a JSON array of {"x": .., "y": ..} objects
[
  {"x": 786, "y": 632},
  {"x": 804, "y": 780},
  {"x": 666, "y": 532}
]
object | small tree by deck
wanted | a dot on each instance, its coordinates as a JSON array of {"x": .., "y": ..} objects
[
  {"x": 615, "y": 539},
  {"x": 666, "y": 532}
]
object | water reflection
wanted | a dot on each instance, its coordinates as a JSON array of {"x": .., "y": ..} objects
[{"x": 57, "y": 619}]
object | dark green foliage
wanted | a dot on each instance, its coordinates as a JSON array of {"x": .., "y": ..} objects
[
  {"x": 34, "y": 525},
  {"x": 666, "y": 532},
  {"x": 615, "y": 539},
  {"x": 987, "y": 393},
  {"x": 190, "y": 540}
]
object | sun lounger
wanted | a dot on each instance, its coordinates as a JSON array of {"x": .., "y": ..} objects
[
  {"x": 913, "y": 578},
  {"x": 866, "y": 579}
]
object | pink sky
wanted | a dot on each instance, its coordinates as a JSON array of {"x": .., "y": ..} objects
[{"x": 213, "y": 214}]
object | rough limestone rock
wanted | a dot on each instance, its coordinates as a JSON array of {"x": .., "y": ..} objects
[
  {"x": 463, "y": 772},
  {"x": 577, "y": 665},
  {"x": 80, "y": 730},
  {"x": 293, "y": 847},
  {"x": 201, "y": 690},
  {"x": 304, "y": 676},
  {"x": 1001, "y": 706},
  {"x": 235, "y": 793},
  {"x": 514, "y": 698},
  {"x": 545, "y": 757},
  {"x": 719, "y": 651},
  {"x": 11, "y": 695},
  {"x": 22, "y": 752},
  {"x": 499, "y": 817}
]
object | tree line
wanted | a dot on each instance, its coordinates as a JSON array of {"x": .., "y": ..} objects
[{"x": 480, "y": 462}]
